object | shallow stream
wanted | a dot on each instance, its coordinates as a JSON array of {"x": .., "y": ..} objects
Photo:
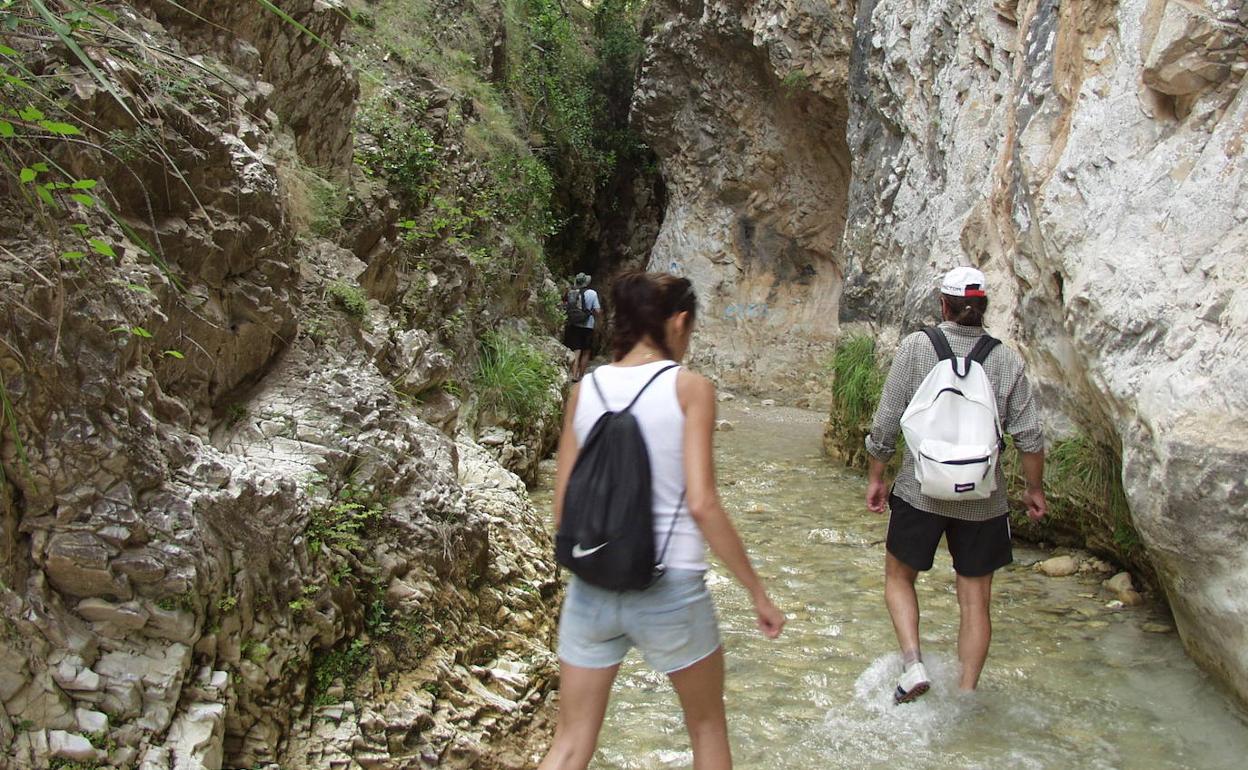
[{"x": 1070, "y": 683}]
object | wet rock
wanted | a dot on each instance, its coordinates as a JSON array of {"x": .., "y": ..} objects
[
  {"x": 1058, "y": 566},
  {"x": 725, "y": 425},
  {"x": 1156, "y": 628},
  {"x": 1098, "y": 566},
  {"x": 1119, "y": 583},
  {"x": 768, "y": 402},
  {"x": 1130, "y": 598}
]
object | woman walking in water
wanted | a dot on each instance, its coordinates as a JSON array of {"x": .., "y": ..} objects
[{"x": 673, "y": 621}]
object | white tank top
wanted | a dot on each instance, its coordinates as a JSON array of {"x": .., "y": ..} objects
[{"x": 662, "y": 423}]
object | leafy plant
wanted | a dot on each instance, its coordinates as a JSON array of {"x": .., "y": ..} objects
[
  {"x": 513, "y": 377},
  {"x": 256, "y": 652},
  {"x": 317, "y": 204},
  {"x": 343, "y": 663},
  {"x": 339, "y": 524},
  {"x": 349, "y": 298},
  {"x": 795, "y": 82},
  {"x": 403, "y": 152},
  {"x": 184, "y": 602},
  {"x": 1084, "y": 479}
]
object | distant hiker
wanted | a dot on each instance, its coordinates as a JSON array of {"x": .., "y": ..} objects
[
  {"x": 583, "y": 309},
  {"x": 952, "y": 389},
  {"x": 657, "y": 419}
]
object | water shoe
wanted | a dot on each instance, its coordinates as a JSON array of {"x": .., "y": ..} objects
[{"x": 913, "y": 683}]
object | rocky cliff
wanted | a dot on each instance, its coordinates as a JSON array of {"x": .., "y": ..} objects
[
  {"x": 746, "y": 105},
  {"x": 244, "y": 521},
  {"x": 1089, "y": 156}
]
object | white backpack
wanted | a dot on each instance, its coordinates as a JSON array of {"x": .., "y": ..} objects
[{"x": 952, "y": 426}]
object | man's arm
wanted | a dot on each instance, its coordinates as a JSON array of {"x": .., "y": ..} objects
[
  {"x": 1033, "y": 471},
  {"x": 882, "y": 441},
  {"x": 1022, "y": 421},
  {"x": 877, "y": 487}
]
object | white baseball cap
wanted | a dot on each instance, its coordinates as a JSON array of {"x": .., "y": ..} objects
[{"x": 964, "y": 282}]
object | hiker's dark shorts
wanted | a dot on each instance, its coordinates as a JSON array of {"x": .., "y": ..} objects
[
  {"x": 978, "y": 547},
  {"x": 578, "y": 337}
]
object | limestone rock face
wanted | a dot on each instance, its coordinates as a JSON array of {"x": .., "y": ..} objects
[
  {"x": 744, "y": 103},
  {"x": 224, "y": 519},
  {"x": 1089, "y": 157}
]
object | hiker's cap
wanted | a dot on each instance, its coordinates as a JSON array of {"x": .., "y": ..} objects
[
  {"x": 581, "y": 279},
  {"x": 964, "y": 282}
]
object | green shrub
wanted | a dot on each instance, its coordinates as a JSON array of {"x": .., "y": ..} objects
[
  {"x": 795, "y": 82},
  {"x": 256, "y": 652},
  {"x": 344, "y": 663},
  {"x": 340, "y": 524},
  {"x": 316, "y": 204},
  {"x": 1083, "y": 481},
  {"x": 857, "y": 381},
  {"x": 404, "y": 153},
  {"x": 513, "y": 377},
  {"x": 349, "y": 298}
]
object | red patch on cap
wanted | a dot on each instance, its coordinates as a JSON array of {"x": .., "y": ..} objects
[{"x": 975, "y": 293}]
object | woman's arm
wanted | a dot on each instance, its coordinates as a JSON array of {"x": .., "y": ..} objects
[
  {"x": 697, "y": 399},
  {"x": 568, "y": 449}
]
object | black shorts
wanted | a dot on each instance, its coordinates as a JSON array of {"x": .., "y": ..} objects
[
  {"x": 978, "y": 547},
  {"x": 578, "y": 337}
]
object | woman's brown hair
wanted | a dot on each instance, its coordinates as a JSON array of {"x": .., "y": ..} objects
[{"x": 641, "y": 303}]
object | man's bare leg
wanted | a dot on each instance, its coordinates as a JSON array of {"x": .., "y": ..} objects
[
  {"x": 903, "y": 605},
  {"x": 975, "y": 631}
]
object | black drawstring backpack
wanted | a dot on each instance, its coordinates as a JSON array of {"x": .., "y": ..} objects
[{"x": 606, "y": 535}]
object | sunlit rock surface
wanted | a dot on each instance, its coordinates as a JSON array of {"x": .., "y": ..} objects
[{"x": 1089, "y": 157}]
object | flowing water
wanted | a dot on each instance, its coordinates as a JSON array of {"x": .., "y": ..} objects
[{"x": 1070, "y": 683}]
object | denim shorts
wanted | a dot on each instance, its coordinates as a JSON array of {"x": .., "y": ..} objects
[{"x": 672, "y": 623}]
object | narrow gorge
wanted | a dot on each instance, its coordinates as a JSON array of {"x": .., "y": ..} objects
[{"x": 281, "y": 285}]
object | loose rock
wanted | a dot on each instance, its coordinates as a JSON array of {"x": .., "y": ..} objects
[
  {"x": 1058, "y": 566},
  {"x": 1119, "y": 583}
]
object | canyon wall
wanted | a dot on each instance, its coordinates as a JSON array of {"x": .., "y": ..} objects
[
  {"x": 242, "y": 521},
  {"x": 1089, "y": 157},
  {"x": 745, "y": 105}
]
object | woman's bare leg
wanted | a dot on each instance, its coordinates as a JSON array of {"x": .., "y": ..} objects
[
  {"x": 701, "y": 691},
  {"x": 583, "y": 695}
]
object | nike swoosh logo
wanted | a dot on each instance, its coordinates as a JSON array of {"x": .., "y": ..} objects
[{"x": 580, "y": 553}]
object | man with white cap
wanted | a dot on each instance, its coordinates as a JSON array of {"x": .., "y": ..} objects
[{"x": 977, "y": 531}]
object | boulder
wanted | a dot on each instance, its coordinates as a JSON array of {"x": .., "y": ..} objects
[
  {"x": 1058, "y": 566},
  {"x": 1119, "y": 583}
]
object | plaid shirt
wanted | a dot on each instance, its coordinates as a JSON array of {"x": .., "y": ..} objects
[{"x": 1019, "y": 416}]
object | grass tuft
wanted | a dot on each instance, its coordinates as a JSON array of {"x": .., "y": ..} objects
[
  {"x": 349, "y": 298},
  {"x": 857, "y": 381},
  {"x": 513, "y": 377},
  {"x": 1083, "y": 483}
]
